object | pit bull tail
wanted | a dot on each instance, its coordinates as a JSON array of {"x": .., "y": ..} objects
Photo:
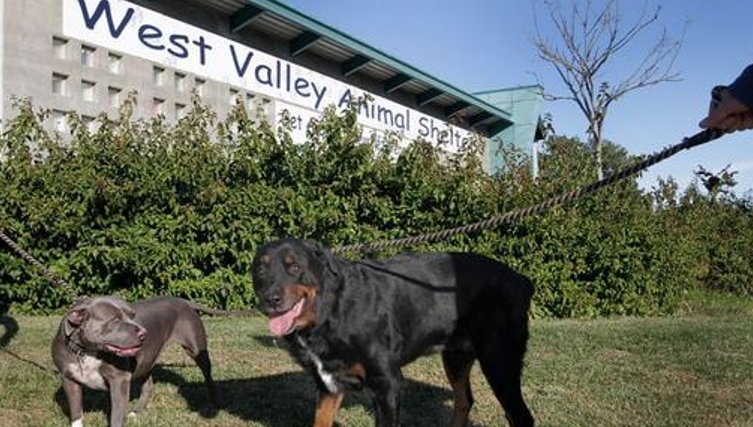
[{"x": 202, "y": 309}]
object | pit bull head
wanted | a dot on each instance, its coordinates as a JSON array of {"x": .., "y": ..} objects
[{"x": 106, "y": 324}]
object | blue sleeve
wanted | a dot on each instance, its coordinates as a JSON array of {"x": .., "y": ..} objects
[{"x": 742, "y": 87}]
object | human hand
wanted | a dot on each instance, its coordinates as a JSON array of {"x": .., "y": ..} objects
[{"x": 728, "y": 114}]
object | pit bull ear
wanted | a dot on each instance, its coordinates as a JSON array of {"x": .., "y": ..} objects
[{"x": 76, "y": 316}]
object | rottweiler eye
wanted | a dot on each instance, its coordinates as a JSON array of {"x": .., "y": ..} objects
[{"x": 295, "y": 269}]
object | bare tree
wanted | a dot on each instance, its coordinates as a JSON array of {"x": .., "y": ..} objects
[
  {"x": 587, "y": 39},
  {"x": 717, "y": 183}
]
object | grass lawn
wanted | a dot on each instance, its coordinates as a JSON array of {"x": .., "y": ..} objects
[{"x": 695, "y": 369}]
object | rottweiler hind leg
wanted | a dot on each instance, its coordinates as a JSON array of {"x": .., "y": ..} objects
[
  {"x": 457, "y": 367},
  {"x": 500, "y": 353}
]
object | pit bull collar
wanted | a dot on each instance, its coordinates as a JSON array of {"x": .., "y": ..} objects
[{"x": 77, "y": 349}]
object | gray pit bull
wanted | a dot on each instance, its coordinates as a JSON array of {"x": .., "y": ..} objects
[{"x": 105, "y": 343}]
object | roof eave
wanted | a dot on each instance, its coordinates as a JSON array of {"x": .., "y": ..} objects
[{"x": 363, "y": 50}]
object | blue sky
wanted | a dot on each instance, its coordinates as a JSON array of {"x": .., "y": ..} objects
[{"x": 479, "y": 45}]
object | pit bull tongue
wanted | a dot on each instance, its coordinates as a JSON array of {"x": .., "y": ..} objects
[
  {"x": 282, "y": 324},
  {"x": 123, "y": 351}
]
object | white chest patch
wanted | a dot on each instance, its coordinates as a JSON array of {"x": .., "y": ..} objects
[
  {"x": 326, "y": 377},
  {"x": 86, "y": 371}
]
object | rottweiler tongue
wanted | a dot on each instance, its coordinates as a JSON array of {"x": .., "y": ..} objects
[{"x": 282, "y": 324}]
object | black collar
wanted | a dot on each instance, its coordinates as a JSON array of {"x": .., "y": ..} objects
[{"x": 79, "y": 350}]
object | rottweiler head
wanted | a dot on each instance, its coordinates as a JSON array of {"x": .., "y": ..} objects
[{"x": 288, "y": 276}]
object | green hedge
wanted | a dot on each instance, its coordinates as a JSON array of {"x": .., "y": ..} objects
[{"x": 141, "y": 208}]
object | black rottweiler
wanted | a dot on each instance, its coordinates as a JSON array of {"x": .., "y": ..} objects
[{"x": 354, "y": 324}]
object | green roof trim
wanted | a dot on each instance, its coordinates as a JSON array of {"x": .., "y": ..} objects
[
  {"x": 313, "y": 25},
  {"x": 508, "y": 89}
]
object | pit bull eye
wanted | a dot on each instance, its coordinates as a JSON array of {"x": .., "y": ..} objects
[{"x": 295, "y": 269}]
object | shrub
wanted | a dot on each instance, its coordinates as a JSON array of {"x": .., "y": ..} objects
[{"x": 142, "y": 208}]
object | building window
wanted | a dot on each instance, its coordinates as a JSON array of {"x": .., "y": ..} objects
[
  {"x": 115, "y": 63},
  {"x": 158, "y": 75},
  {"x": 199, "y": 86},
  {"x": 233, "y": 97},
  {"x": 180, "y": 82},
  {"x": 87, "y": 56},
  {"x": 90, "y": 123},
  {"x": 60, "y": 47},
  {"x": 59, "y": 121},
  {"x": 114, "y": 94},
  {"x": 180, "y": 111},
  {"x": 59, "y": 84},
  {"x": 265, "y": 108},
  {"x": 250, "y": 100},
  {"x": 87, "y": 90},
  {"x": 158, "y": 106}
]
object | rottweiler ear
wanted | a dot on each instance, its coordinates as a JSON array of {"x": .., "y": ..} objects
[
  {"x": 76, "y": 316},
  {"x": 314, "y": 246},
  {"x": 321, "y": 253}
]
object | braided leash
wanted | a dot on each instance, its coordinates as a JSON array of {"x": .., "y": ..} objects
[
  {"x": 35, "y": 262},
  {"x": 514, "y": 215}
]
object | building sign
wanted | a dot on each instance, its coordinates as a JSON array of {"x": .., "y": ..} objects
[{"x": 137, "y": 31}]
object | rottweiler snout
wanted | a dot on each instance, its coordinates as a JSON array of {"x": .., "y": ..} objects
[{"x": 274, "y": 300}]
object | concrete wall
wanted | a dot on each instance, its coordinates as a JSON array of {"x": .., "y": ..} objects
[
  {"x": 29, "y": 63},
  {"x": 219, "y": 24}
]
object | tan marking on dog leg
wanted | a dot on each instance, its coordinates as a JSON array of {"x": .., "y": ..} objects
[
  {"x": 326, "y": 408},
  {"x": 459, "y": 377},
  {"x": 356, "y": 370}
]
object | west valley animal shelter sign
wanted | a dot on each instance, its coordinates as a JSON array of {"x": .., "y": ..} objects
[{"x": 303, "y": 93}]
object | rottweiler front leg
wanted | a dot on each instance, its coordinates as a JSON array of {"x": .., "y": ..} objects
[
  {"x": 327, "y": 406},
  {"x": 387, "y": 391}
]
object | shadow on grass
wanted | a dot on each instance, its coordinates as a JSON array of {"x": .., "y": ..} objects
[
  {"x": 99, "y": 401},
  {"x": 94, "y": 401},
  {"x": 9, "y": 330},
  {"x": 278, "y": 400},
  {"x": 289, "y": 399}
]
